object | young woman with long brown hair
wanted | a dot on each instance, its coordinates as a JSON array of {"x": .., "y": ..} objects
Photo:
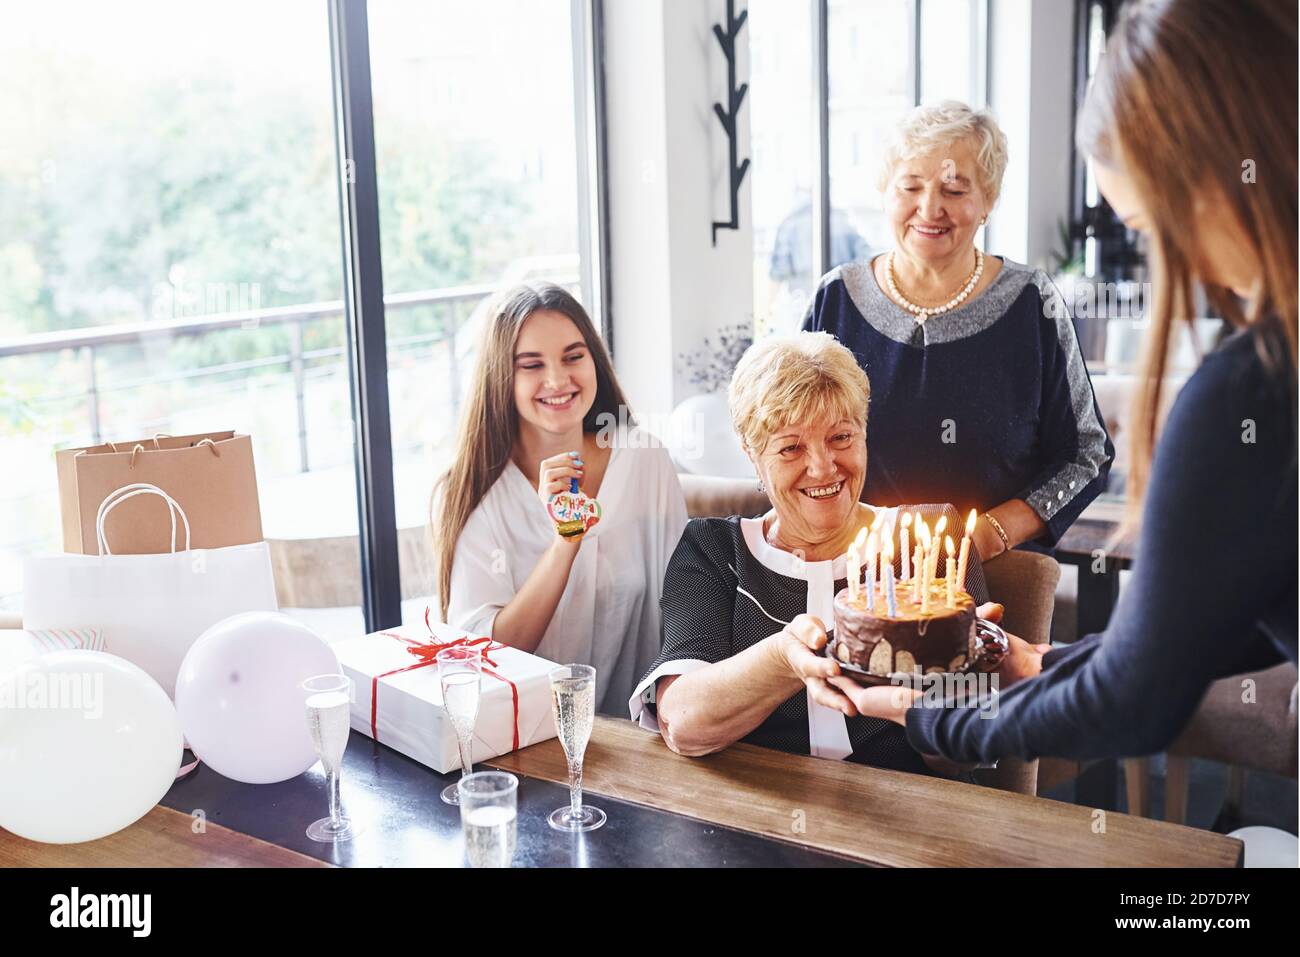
[
  {"x": 1191, "y": 126},
  {"x": 544, "y": 408}
]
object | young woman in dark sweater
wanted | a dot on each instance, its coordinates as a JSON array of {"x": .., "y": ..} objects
[{"x": 1191, "y": 126}]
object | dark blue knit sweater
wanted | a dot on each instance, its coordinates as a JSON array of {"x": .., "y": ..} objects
[
  {"x": 977, "y": 406},
  {"x": 1213, "y": 591}
]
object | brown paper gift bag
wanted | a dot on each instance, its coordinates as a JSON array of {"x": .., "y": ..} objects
[{"x": 209, "y": 474}]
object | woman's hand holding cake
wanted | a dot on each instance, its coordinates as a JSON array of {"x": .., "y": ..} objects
[{"x": 800, "y": 645}]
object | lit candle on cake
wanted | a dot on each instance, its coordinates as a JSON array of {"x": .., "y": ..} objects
[
  {"x": 922, "y": 533},
  {"x": 918, "y": 562},
  {"x": 932, "y": 562},
  {"x": 951, "y": 569},
  {"x": 888, "y": 559},
  {"x": 855, "y": 565},
  {"x": 965, "y": 549},
  {"x": 923, "y": 566},
  {"x": 872, "y": 547},
  {"x": 904, "y": 552}
]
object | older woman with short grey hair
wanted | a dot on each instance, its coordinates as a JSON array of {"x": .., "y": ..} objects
[
  {"x": 747, "y": 601},
  {"x": 982, "y": 398}
]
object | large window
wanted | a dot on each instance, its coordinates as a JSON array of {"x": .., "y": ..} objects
[
  {"x": 163, "y": 170},
  {"x": 170, "y": 251},
  {"x": 476, "y": 132},
  {"x": 882, "y": 58}
]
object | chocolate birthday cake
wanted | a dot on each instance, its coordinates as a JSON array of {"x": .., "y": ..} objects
[{"x": 912, "y": 641}]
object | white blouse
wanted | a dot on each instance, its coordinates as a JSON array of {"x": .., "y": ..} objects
[{"x": 608, "y": 616}]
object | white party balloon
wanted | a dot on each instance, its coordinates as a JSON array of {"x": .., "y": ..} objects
[
  {"x": 239, "y": 700},
  {"x": 89, "y": 743},
  {"x": 703, "y": 441}
]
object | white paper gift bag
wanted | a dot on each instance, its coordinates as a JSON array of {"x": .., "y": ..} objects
[
  {"x": 149, "y": 608},
  {"x": 408, "y": 715}
]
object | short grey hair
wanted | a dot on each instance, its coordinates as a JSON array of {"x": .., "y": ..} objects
[
  {"x": 928, "y": 128},
  {"x": 791, "y": 379}
]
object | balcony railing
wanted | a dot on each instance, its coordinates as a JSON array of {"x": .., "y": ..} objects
[
  {"x": 455, "y": 303},
  {"x": 106, "y": 398}
]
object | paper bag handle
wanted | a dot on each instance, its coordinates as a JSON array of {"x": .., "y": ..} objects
[{"x": 115, "y": 498}]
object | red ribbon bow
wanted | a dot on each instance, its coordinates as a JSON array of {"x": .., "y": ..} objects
[{"x": 427, "y": 652}]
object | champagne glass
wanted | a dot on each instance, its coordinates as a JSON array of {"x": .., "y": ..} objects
[
  {"x": 460, "y": 670},
  {"x": 328, "y": 699},
  {"x": 573, "y": 699},
  {"x": 487, "y": 816}
]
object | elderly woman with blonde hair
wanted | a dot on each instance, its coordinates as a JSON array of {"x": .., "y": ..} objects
[
  {"x": 983, "y": 399},
  {"x": 746, "y": 601}
]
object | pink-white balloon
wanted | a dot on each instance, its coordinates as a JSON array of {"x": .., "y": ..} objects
[{"x": 239, "y": 700}]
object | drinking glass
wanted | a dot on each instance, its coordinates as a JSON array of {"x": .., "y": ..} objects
[
  {"x": 328, "y": 700},
  {"x": 487, "y": 816},
  {"x": 573, "y": 700},
  {"x": 460, "y": 671}
]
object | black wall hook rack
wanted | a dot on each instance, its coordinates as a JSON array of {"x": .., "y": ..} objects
[{"x": 727, "y": 117}]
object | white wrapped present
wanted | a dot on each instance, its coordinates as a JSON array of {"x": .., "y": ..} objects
[{"x": 398, "y": 696}]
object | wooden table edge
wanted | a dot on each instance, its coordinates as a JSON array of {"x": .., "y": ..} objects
[
  {"x": 517, "y": 762},
  {"x": 153, "y": 834}
]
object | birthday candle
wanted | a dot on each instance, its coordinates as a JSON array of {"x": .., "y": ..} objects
[
  {"x": 951, "y": 568},
  {"x": 933, "y": 564},
  {"x": 923, "y": 566},
  {"x": 855, "y": 564},
  {"x": 965, "y": 549},
  {"x": 889, "y": 578},
  {"x": 923, "y": 539},
  {"x": 918, "y": 562},
  {"x": 872, "y": 545},
  {"x": 904, "y": 551}
]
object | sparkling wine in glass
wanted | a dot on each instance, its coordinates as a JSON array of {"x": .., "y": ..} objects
[
  {"x": 460, "y": 670},
  {"x": 328, "y": 700},
  {"x": 573, "y": 701},
  {"x": 487, "y": 816}
]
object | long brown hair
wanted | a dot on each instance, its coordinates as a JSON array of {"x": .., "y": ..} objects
[
  {"x": 489, "y": 424},
  {"x": 1193, "y": 93}
]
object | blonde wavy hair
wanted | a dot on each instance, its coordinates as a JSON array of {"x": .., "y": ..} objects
[
  {"x": 927, "y": 129},
  {"x": 790, "y": 379}
]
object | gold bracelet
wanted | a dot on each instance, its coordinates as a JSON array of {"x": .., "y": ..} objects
[{"x": 997, "y": 527}]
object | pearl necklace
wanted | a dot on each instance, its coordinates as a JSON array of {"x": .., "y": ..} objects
[{"x": 922, "y": 312}]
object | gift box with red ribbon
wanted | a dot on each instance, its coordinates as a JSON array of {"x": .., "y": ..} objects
[{"x": 398, "y": 696}]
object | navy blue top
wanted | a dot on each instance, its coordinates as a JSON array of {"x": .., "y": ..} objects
[
  {"x": 1213, "y": 591},
  {"x": 986, "y": 403}
]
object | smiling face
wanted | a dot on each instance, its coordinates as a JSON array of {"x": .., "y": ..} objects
[
  {"x": 555, "y": 376},
  {"x": 814, "y": 473},
  {"x": 935, "y": 203}
]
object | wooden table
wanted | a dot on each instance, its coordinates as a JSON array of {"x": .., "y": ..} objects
[
  {"x": 886, "y": 818},
  {"x": 162, "y": 838},
  {"x": 746, "y": 806}
]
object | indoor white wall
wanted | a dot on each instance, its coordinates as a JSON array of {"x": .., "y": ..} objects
[
  {"x": 1032, "y": 56},
  {"x": 670, "y": 287}
]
